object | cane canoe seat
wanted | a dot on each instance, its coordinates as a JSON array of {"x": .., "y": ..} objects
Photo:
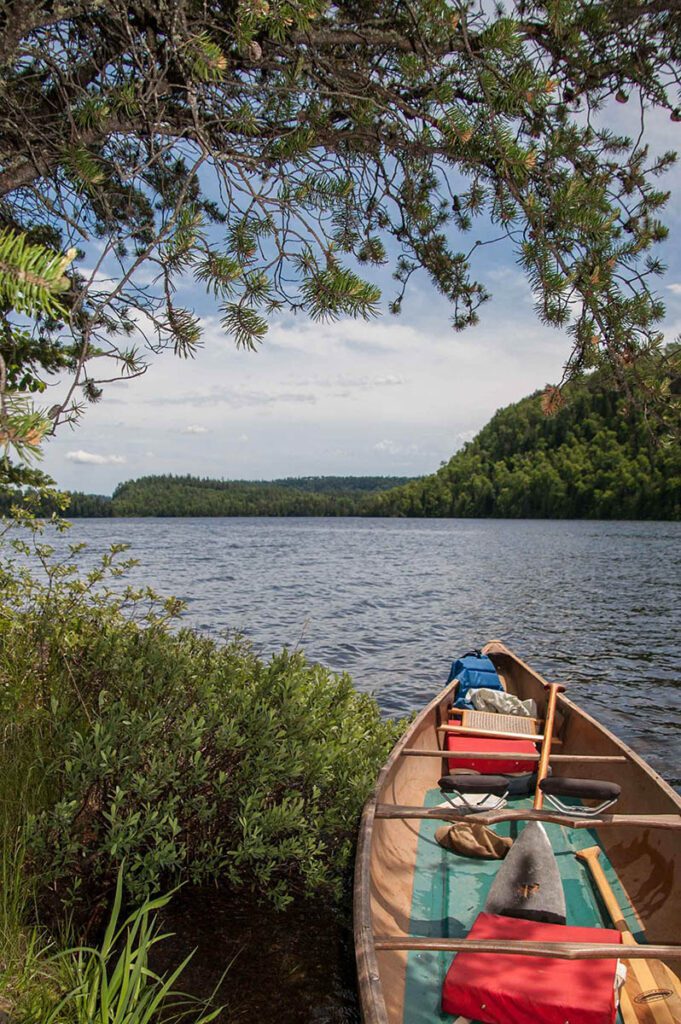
[
  {"x": 493, "y": 721},
  {"x": 581, "y": 789}
]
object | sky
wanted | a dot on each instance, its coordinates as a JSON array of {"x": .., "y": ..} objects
[{"x": 395, "y": 396}]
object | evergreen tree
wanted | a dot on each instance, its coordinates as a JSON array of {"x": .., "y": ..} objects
[
  {"x": 32, "y": 280},
  {"x": 592, "y": 458},
  {"x": 267, "y": 147}
]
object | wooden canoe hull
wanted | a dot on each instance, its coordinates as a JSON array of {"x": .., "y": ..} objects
[{"x": 647, "y": 859}]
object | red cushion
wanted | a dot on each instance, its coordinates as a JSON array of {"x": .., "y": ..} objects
[
  {"x": 510, "y": 989},
  {"x": 510, "y": 767}
]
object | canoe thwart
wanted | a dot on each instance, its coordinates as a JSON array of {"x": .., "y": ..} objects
[
  {"x": 661, "y": 821},
  {"x": 499, "y": 734},
  {"x": 551, "y": 950},
  {"x": 494, "y": 755}
]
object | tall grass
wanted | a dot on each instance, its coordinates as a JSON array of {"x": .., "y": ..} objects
[
  {"x": 113, "y": 983},
  {"x": 25, "y": 976}
]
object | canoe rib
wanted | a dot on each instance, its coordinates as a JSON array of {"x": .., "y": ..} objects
[
  {"x": 662, "y": 821},
  {"x": 550, "y": 950}
]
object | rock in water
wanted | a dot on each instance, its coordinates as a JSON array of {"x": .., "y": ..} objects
[{"x": 528, "y": 882}]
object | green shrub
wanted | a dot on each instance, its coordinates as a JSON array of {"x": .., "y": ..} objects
[{"x": 179, "y": 756}]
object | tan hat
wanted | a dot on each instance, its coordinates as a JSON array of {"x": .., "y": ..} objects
[{"x": 471, "y": 840}]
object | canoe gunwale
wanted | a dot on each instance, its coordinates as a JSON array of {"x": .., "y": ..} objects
[{"x": 373, "y": 1009}]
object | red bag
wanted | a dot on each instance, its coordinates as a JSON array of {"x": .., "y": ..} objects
[
  {"x": 511, "y": 767},
  {"x": 511, "y": 989}
]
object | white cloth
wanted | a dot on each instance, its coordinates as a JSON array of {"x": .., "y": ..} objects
[{"x": 501, "y": 702}]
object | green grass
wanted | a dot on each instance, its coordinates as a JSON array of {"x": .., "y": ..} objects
[{"x": 113, "y": 984}]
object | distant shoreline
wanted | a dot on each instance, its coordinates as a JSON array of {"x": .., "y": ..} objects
[{"x": 382, "y": 518}]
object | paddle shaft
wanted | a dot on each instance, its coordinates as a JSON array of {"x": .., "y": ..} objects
[
  {"x": 520, "y": 947},
  {"x": 543, "y": 769},
  {"x": 590, "y": 856}
]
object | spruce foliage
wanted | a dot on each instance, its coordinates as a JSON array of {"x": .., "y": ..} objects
[{"x": 271, "y": 150}]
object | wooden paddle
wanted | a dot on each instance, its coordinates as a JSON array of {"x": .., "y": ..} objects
[
  {"x": 543, "y": 768},
  {"x": 652, "y": 992}
]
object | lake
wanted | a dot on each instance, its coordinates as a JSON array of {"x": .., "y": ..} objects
[{"x": 593, "y": 605}]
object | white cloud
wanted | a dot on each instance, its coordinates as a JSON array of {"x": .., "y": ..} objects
[
  {"x": 194, "y": 428},
  {"x": 93, "y": 459},
  {"x": 675, "y": 288},
  {"x": 393, "y": 448},
  {"x": 355, "y": 383},
  {"x": 386, "y": 446},
  {"x": 236, "y": 398}
]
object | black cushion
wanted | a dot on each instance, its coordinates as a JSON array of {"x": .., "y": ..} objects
[
  {"x": 585, "y": 789},
  {"x": 464, "y": 782},
  {"x": 521, "y": 785}
]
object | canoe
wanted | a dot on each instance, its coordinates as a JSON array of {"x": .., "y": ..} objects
[{"x": 415, "y": 902}]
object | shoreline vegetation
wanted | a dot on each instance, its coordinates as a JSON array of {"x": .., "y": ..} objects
[
  {"x": 138, "y": 755},
  {"x": 591, "y": 458}
]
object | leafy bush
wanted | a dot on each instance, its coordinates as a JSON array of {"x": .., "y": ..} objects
[{"x": 178, "y": 755}]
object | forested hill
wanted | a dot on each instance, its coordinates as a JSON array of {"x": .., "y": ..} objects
[
  {"x": 192, "y": 496},
  {"x": 588, "y": 460}
]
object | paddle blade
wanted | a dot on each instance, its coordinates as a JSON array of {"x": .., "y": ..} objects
[{"x": 651, "y": 994}]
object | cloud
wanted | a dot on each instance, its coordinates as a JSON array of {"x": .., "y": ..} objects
[
  {"x": 350, "y": 380},
  {"x": 91, "y": 458},
  {"x": 393, "y": 448},
  {"x": 236, "y": 398},
  {"x": 194, "y": 428},
  {"x": 675, "y": 288},
  {"x": 381, "y": 336}
]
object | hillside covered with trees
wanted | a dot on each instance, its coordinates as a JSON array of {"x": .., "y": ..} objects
[
  {"x": 590, "y": 459},
  {"x": 192, "y": 496}
]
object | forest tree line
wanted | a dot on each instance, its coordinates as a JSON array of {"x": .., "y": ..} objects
[
  {"x": 591, "y": 459},
  {"x": 167, "y": 495}
]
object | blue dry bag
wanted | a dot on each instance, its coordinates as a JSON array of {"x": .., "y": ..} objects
[{"x": 474, "y": 671}]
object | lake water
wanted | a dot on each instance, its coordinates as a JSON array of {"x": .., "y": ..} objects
[{"x": 593, "y": 605}]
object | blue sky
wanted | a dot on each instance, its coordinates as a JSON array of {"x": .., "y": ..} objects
[{"x": 393, "y": 396}]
